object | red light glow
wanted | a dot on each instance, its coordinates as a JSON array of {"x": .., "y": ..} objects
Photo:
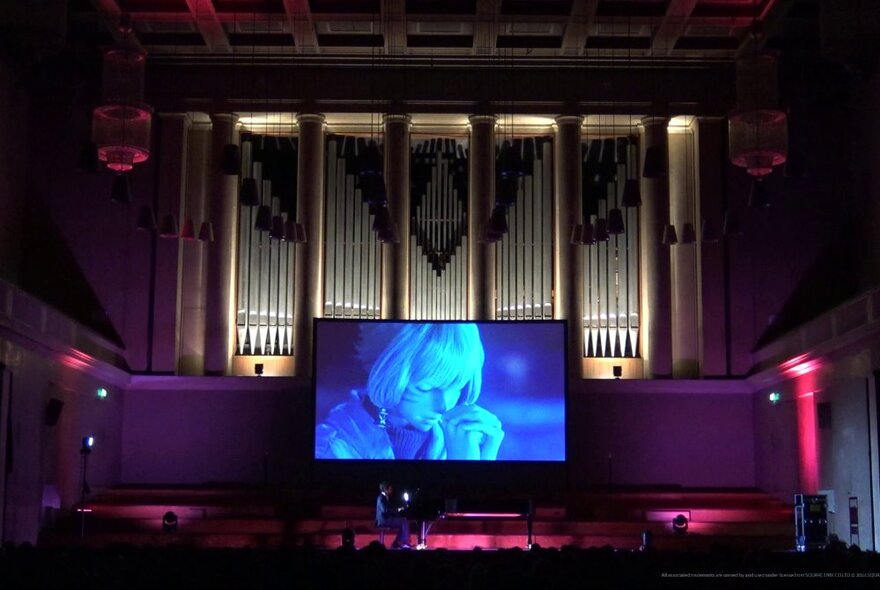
[
  {"x": 808, "y": 456},
  {"x": 799, "y": 365}
]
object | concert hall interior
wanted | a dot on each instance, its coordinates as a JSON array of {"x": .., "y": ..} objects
[{"x": 684, "y": 192}]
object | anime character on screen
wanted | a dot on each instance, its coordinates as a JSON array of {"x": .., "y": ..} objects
[{"x": 420, "y": 399}]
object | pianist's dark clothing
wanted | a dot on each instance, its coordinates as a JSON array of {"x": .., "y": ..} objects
[
  {"x": 388, "y": 516},
  {"x": 351, "y": 431}
]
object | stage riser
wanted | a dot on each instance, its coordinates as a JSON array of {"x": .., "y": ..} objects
[{"x": 234, "y": 518}]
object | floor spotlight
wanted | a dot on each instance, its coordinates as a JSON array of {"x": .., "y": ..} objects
[
  {"x": 680, "y": 524},
  {"x": 169, "y": 522}
]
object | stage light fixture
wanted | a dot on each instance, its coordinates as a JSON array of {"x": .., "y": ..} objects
[
  {"x": 102, "y": 393},
  {"x": 680, "y": 524},
  {"x": 617, "y": 370},
  {"x": 774, "y": 397},
  {"x": 258, "y": 369},
  {"x": 169, "y": 522},
  {"x": 88, "y": 443}
]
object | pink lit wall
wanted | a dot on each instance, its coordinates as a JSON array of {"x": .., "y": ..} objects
[
  {"x": 46, "y": 459},
  {"x": 797, "y": 452}
]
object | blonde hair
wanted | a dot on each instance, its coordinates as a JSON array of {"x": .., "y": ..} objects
[{"x": 449, "y": 355}]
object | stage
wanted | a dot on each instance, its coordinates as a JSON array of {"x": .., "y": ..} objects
[{"x": 238, "y": 517}]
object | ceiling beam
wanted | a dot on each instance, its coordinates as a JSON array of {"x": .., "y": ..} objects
[
  {"x": 302, "y": 26},
  {"x": 577, "y": 29},
  {"x": 486, "y": 26},
  {"x": 209, "y": 25},
  {"x": 394, "y": 26},
  {"x": 672, "y": 26}
]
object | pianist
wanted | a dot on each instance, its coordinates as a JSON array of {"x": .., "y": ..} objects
[
  {"x": 420, "y": 399},
  {"x": 388, "y": 515}
]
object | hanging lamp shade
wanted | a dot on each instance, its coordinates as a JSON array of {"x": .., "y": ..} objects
[
  {"x": 388, "y": 235},
  {"x": 601, "y": 232},
  {"x": 289, "y": 229},
  {"x": 498, "y": 220},
  {"x": 277, "y": 230},
  {"x": 757, "y": 129},
  {"x": 188, "y": 231},
  {"x": 510, "y": 162},
  {"x": 230, "y": 161},
  {"x": 632, "y": 193},
  {"x": 373, "y": 189},
  {"x": 655, "y": 162},
  {"x": 670, "y": 238},
  {"x": 382, "y": 219},
  {"x": 146, "y": 220},
  {"x": 708, "y": 232},
  {"x": 299, "y": 233},
  {"x": 688, "y": 233},
  {"x": 264, "y": 218},
  {"x": 589, "y": 235},
  {"x": 615, "y": 222},
  {"x": 506, "y": 189},
  {"x": 206, "y": 232},
  {"x": 490, "y": 236},
  {"x": 121, "y": 124},
  {"x": 731, "y": 227},
  {"x": 370, "y": 160},
  {"x": 249, "y": 196},
  {"x": 120, "y": 191},
  {"x": 168, "y": 229},
  {"x": 758, "y": 196}
]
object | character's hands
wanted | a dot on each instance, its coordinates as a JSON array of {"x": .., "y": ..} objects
[{"x": 472, "y": 433}]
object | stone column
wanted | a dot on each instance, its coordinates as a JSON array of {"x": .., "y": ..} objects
[
  {"x": 683, "y": 264},
  {"x": 191, "y": 360},
  {"x": 481, "y": 198},
  {"x": 395, "y": 257},
  {"x": 656, "y": 320},
  {"x": 568, "y": 258},
  {"x": 222, "y": 210},
  {"x": 173, "y": 139},
  {"x": 711, "y": 152},
  {"x": 309, "y": 273}
]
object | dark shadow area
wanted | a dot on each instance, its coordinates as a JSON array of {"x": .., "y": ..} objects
[
  {"x": 832, "y": 279},
  {"x": 51, "y": 273}
]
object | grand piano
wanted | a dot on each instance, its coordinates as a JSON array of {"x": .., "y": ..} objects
[{"x": 426, "y": 511}]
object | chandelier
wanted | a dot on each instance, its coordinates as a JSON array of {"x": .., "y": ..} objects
[{"x": 121, "y": 123}]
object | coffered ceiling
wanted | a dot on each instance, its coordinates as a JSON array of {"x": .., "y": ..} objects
[{"x": 439, "y": 29}]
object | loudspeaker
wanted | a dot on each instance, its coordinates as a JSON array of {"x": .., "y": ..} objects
[
  {"x": 810, "y": 522},
  {"x": 617, "y": 370},
  {"x": 53, "y": 411},
  {"x": 823, "y": 415}
]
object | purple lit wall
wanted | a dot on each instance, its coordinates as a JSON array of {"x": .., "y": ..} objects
[
  {"x": 210, "y": 430},
  {"x": 202, "y": 430}
]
